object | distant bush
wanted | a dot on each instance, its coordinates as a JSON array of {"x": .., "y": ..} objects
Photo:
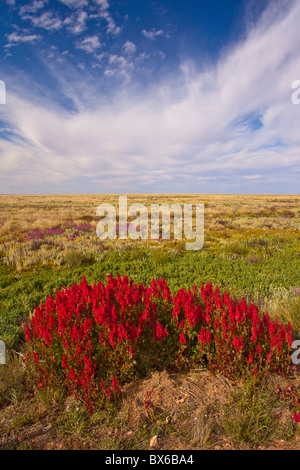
[
  {"x": 74, "y": 259},
  {"x": 135, "y": 253},
  {"x": 159, "y": 256},
  {"x": 258, "y": 242},
  {"x": 236, "y": 249},
  {"x": 287, "y": 213},
  {"x": 97, "y": 338},
  {"x": 87, "y": 218},
  {"x": 252, "y": 259}
]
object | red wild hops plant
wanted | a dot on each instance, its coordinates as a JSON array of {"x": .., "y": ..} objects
[
  {"x": 96, "y": 338},
  {"x": 296, "y": 417}
]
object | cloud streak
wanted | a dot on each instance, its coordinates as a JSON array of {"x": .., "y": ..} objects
[
  {"x": 153, "y": 34},
  {"x": 89, "y": 44},
  {"x": 47, "y": 20},
  {"x": 16, "y": 38},
  {"x": 75, "y": 19}
]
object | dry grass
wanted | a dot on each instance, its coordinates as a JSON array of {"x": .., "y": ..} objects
[
  {"x": 24, "y": 213},
  {"x": 229, "y": 220},
  {"x": 192, "y": 412}
]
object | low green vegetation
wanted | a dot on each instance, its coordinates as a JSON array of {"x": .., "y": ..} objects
[{"x": 264, "y": 270}]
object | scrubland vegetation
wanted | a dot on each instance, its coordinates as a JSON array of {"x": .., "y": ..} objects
[{"x": 186, "y": 379}]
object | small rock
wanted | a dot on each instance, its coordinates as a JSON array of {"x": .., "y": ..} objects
[
  {"x": 180, "y": 400},
  {"x": 153, "y": 441}
]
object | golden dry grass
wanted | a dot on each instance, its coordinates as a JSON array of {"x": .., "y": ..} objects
[
  {"x": 182, "y": 412},
  {"x": 21, "y": 213}
]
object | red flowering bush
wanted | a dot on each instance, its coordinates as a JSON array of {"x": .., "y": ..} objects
[{"x": 96, "y": 338}]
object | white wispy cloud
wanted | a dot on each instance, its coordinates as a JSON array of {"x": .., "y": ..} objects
[
  {"x": 154, "y": 33},
  {"x": 77, "y": 22},
  {"x": 90, "y": 44},
  {"x": 103, "y": 14},
  {"x": 19, "y": 38},
  {"x": 231, "y": 125},
  {"x": 102, "y": 3},
  {"x": 32, "y": 7},
  {"x": 129, "y": 47},
  {"x": 47, "y": 20},
  {"x": 75, "y": 3},
  {"x": 119, "y": 65},
  {"x": 111, "y": 26},
  {"x": 99, "y": 9}
]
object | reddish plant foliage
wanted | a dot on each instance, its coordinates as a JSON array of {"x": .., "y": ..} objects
[{"x": 96, "y": 338}]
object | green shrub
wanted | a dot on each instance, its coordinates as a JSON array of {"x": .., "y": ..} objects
[
  {"x": 159, "y": 256},
  {"x": 236, "y": 249},
  {"x": 74, "y": 259}
]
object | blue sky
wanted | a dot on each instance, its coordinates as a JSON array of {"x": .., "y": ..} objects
[{"x": 138, "y": 96}]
